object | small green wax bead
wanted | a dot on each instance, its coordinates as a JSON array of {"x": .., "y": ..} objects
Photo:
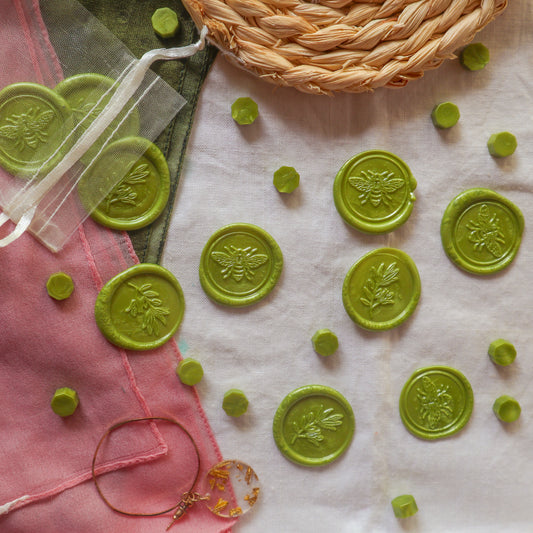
[
  {"x": 445, "y": 115},
  {"x": 235, "y": 402},
  {"x": 475, "y": 56},
  {"x": 502, "y": 144},
  {"x": 190, "y": 371},
  {"x": 404, "y": 506},
  {"x": 59, "y": 286},
  {"x": 64, "y": 402},
  {"x": 502, "y": 352},
  {"x": 244, "y": 110},
  {"x": 506, "y": 408},
  {"x": 286, "y": 179},
  {"x": 325, "y": 342},
  {"x": 165, "y": 22}
]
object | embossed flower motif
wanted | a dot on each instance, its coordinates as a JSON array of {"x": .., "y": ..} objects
[
  {"x": 376, "y": 291},
  {"x": 435, "y": 403},
  {"x": 485, "y": 232}
]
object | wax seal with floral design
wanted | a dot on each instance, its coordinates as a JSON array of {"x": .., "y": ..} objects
[
  {"x": 481, "y": 231},
  {"x": 140, "y": 308},
  {"x": 373, "y": 191},
  {"x": 313, "y": 425},
  {"x": 128, "y": 185},
  {"x": 240, "y": 264},
  {"x": 381, "y": 289},
  {"x": 436, "y": 402}
]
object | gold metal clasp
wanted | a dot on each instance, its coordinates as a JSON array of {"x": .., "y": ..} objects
[{"x": 188, "y": 499}]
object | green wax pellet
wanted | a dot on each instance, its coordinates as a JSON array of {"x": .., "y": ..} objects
[
  {"x": 475, "y": 56},
  {"x": 64, "y": 402},
  {"x": 59, "y": 286},
  {"x": 404, "y": 506},
  {"x": 325, "y": 342},
  {"x": 445, "y": 115},
  {"x": 244, "y": 111},
  {"x": 506, "y": 408},
  {"x": 502, "y": 144},
  {"x": 235, "y": 402},
  {"x": 502, "y": 352},
  {"x": 286, "y": 179},
  {"x": 190, "y": 371},
  {"x": 165, "y": 22}
]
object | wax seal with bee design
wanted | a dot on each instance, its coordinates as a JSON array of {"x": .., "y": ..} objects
[
  {"x": 373, "y": 191},
  {"x": 240, "y": 264},
  {"x": 481, "y": 231},
  {"x": 436, "y": 402},
  {"x": 35, "y": 129}
]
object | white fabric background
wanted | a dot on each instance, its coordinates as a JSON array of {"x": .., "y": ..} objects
[{"x": 477, "y": 481}]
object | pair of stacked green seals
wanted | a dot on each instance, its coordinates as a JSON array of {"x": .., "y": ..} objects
[{"x": 39, "y": 125}]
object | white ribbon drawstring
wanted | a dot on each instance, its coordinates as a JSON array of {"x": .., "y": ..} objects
[{"x": 24, "y": 210}]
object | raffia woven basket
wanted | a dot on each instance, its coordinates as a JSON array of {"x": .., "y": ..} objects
[{"x": 327, "y": 46}]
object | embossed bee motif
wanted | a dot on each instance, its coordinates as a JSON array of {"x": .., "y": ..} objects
[
  {"x": 376, "y": 187},
  {"x": 239, "y": 263},
  {"x": 435, "y": 403},
  {"x": 313, "y": 422},
  {"x": 123, "y": 193},
  {"x": 485, "y": 232},
  {"x": 27, "y": 129}
]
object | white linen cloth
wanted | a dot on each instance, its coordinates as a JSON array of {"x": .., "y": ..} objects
[{"x": 476, "y": 481}]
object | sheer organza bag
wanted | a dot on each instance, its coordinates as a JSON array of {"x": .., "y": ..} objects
[{"x": 85, "y": 144}]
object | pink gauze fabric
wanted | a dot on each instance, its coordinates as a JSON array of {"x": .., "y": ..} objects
[{"x": 45, "y": 460}]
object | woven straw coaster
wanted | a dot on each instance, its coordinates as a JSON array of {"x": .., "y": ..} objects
[{"x": 325, "y": 46}]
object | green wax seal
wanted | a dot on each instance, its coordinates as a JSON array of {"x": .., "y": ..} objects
[
  {"x": 140, "y": 308},
  {"x": 165, "y": 22},
  {"x": 244, "y": 111},
  {"x": 507, "y": 409},
  {"x": 436, "y": 402},
  {"x": 404, "y": 506},
  {"x": 502, "y": 144},
  {"x": 142, "y": 190},
  {"x": 190, "y": 371},
  {"x": 382, "y": 289},
  {"x": 240, "y": 264},
  {"x": 313, "y": 425},
  {"x": 325, "y": 342},
  {"x": 502, "y": 352},
  {"x": 481, "y": 231},
  {"x": 235, "y": 402},
  {"x": 87, "y": 95},
  {"x": 445, "y": 115},
  {"x": 475, "y": 56},
  {"x": 59, "y": 286},
  {"x": 64, "y": 402},
  {"x": 373, "y": 191},
  {"x": 286, "y": 179},
  {"x": 34, "y": 123}
]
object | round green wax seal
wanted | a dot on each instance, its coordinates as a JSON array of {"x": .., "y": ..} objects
[
  {"x": 373, "y": 191},
  {"x": 313, "y": 425},
  {"x": 34, "y": 123},
  {"x": 436, "y": 402},
  {"x": 140, "y": 308},
  {"x": 59, "y": 286},
  {"x": 382, "y": 289},
  {"x": 481, "y": 231},
  {"x": 141, "y": 192},
  {"x": 240, "y": 264},
  {"x": 87, "y": 95}
]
